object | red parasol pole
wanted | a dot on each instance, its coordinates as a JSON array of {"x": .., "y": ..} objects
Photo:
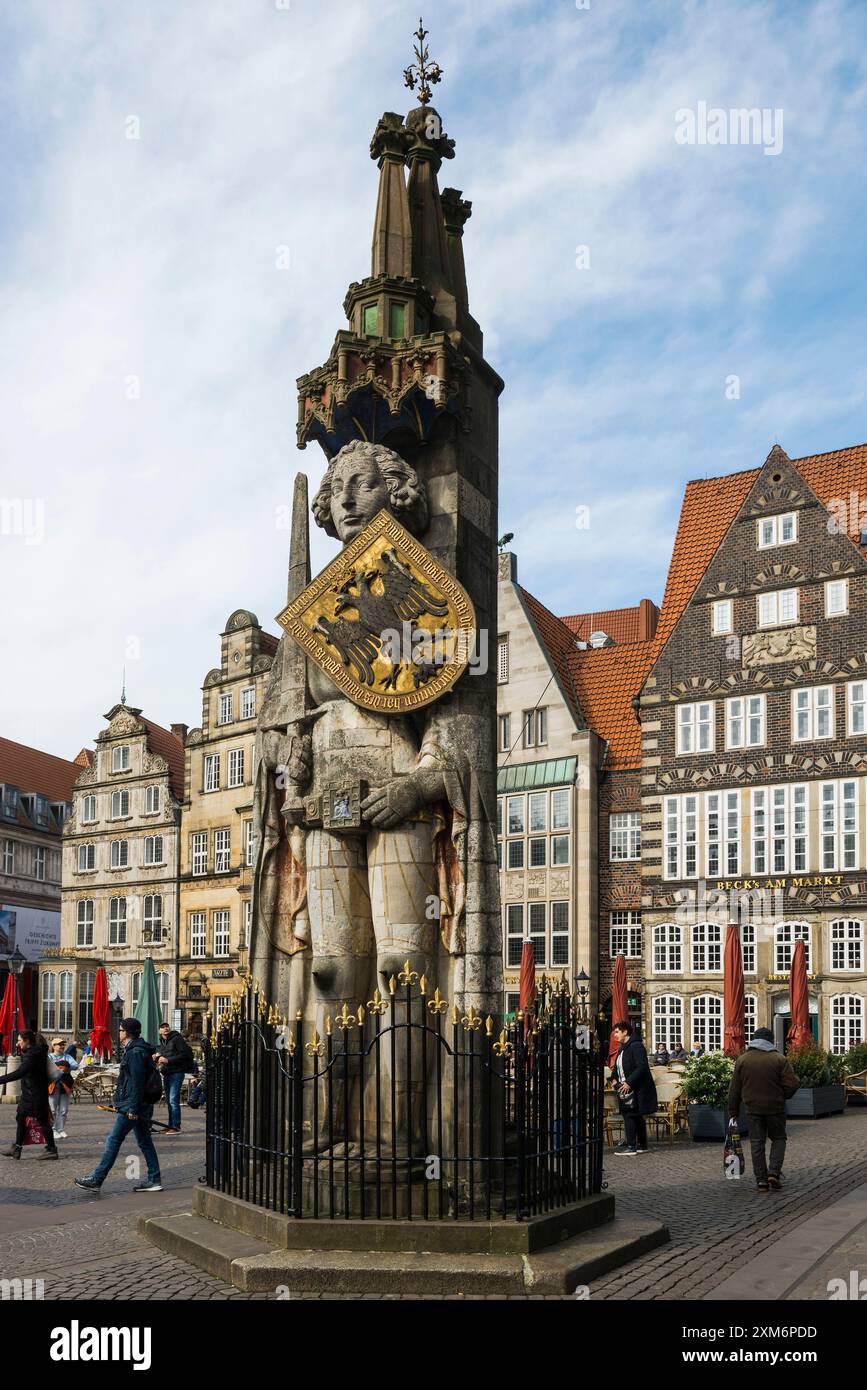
[
  {"x": 100, "y": 1038},
  {"x": 800, "y": 1033},
  {"x": 619, "y": 1005},
  {"x": 733, "y": 994}
]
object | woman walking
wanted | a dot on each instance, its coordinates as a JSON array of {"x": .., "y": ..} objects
[
  {"x": 33, "y": 1101},
  {"x": 634, "y": 1083},
  {"x": 61, "y": 1065}
]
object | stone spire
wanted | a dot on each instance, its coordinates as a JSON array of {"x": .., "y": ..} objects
[
  {"x": 391, "y": 253},
  {"x": 428, "y": 147}
]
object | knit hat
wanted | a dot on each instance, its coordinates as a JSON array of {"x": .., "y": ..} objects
[{"x": 131, "y": 1026}]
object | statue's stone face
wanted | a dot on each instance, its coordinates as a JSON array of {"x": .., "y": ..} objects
[{"x": 358, "y": 492}]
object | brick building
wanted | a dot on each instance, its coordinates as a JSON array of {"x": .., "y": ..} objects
[{"x": 754, "y": 751}]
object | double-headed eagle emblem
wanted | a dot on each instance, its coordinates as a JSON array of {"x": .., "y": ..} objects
[{"x": 385, "y": 621}]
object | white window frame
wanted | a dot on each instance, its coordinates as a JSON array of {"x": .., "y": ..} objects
[
  {"x": 847, "y": 1022},
  {"x": 706, "y": 1021},
  {"x": 222, "y": 851},
  {"x": 120, "y": 804},
  {"x": 751, "y": 1016},
  {"x": 225, "y": 708},
  {"x": 119, "y": 854},
  {"x": 211, "y": 773},
  {"x": 773, "y": 527},
  {"x": 706, "y": 955},
  {"x": 770, "y": 608},
  {"x": 747, "y": 932},
  {"x": 856, "y": 708},
  {"x": 681, "y": 839},
  {"x": 248, "y": 842},
  {"x": 504, "y": 727},
  {"x": 39, "y": 863},
  {"x": 88, "y": 803},
  {"x": 153, "y": 799},
  {"x": 742, "y": 712},
  {"x": 248, "y": 702},
  {"x": 624, "y": 836},
  {"x": 625, "y": 934},
  {"x": 667, "y": 1020},
  {"x": 696, "y": 731},
  {"x": 808, "y": 710},
  {"x": 199, "y": 853},
  {"x": 558, "y": 933},
  {"x": 248, "y": 921},
  {"x": 198, "y": 923},
  {"x": 121, "y": 758},
  {"x": 235, "y": 767},
  {"x": 152, "y": 917},
  {"x": 64, "y": 1002},
  {"x": 118, "y": 919},
  {"x": 513, "y": 933},
  {"x": 839, "y": 837},
  {"x": 86, "y": 852},
  {"x": 846, "y": 946},
  {"x": 722, "y": 617},
  {"x": 49, "y": 1003},
  {"x": 785, "y": 936},
  {"x": 84, "y": 922},
  {"x": 831, "y": 586},
  {"x": 152, "y": 844},
  {"x": 221, "y": 925},
  {"x": 667, "y": 949}
]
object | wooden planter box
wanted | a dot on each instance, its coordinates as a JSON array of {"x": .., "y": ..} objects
[{"x": 812, "y": 1102}]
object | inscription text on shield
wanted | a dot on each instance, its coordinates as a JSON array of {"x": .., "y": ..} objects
[{"x": 390, "y": 626}]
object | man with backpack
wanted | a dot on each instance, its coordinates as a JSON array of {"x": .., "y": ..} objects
[
  {"x": 175, "y": 1059},
  {"x": 138, "y": 1088}
]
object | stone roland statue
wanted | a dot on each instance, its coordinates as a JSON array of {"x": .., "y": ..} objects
[{"x": 337, "y": 913}]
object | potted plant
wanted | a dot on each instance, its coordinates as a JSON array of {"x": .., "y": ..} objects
[
  {"x": 706, "y": 1084},
  {"x": 821, "y": 1076},
  {"x": 855, "y": 1064}
]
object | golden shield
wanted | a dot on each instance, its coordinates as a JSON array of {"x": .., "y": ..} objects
[{"x": 385, "y": 621}]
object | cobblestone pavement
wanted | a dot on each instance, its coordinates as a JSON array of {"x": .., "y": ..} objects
[{"x": 86, "y": 1247}]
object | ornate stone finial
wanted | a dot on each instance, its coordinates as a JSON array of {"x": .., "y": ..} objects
[
  {"x": 421, "y": 71},
  {"x": 123, "y": 687}
]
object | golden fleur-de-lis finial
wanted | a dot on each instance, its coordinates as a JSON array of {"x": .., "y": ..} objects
[
  {"x": 503, "y": 1048},
  {"x": 345, "y": 1020},
  {"x": 407, "y": 975},
  {"x": 315, "y": 1047},
  {"x": 422, "y": 71},
  {"x": 377, "y": 1004},
  {"x": 438, "y": 1005},
  {"x": 471, "y": 1021}
]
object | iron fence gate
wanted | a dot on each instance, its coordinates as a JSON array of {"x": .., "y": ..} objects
[{"x": 408, "y": 1108}]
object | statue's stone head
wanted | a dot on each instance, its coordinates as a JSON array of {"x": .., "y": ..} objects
[{"x": 362, "y": 479}]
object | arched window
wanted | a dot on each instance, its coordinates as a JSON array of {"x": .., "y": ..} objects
[
  {"x": 785, "y": 936},
  {"x": 847, "y": 944},
  {"x": 847, "y": 1021},
  {"x": 667, "y": 949},
  {"x": 667, "y": 1020},
  {"x": 152, "y": 922},
  {"x": 706, "y": 948},
  {"x": 748, "y": 947},
  {"x": 86, "y": 981},
  {"x": 751, "y": 1013},
  {"x": 49, "y": 1005},
  {"x": 64, "y": 1011},
  {"x": 707, "y": 1021}
]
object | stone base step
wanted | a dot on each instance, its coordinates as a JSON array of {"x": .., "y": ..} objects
[{"x": 250, "y": 1265}]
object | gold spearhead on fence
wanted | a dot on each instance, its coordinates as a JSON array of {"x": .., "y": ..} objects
[
  {"x": 392, "y": 985},
  {"x": 489, "y": 1027}
]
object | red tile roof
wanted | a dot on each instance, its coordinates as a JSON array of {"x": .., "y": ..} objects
[
  {"x": 710, "y": 505},
  {"x": 606, "y": 680},
  {"x": 162, "y": 742},
  {"x": 636, "y": 624},
  {"x": 31, "y": 770}
]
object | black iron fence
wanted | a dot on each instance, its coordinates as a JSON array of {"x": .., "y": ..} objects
[{"x": 407, "y": 1108}]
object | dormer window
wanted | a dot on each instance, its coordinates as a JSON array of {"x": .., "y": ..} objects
[
  {"x": 10, "y": 802},
  {"x": 777, "y": 530}
]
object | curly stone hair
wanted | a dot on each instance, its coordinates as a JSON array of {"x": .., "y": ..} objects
[{"x": 406, "y": 491}]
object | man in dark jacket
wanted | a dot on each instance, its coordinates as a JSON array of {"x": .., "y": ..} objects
[
  {"x": 634, "y": 1084},
  {"x": 134, "y": 1112},
  {"x": 33, "y": 1100},
  {"x": 174, "y": 1059},
  {"x": 763, "y": 1082}
]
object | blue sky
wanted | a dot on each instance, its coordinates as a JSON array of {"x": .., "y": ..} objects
[{"x": 149, "y": 344}]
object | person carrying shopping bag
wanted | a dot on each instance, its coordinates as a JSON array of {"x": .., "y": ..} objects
[{"x": 61, "y": 1066}]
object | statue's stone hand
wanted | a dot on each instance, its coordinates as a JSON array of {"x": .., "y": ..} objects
[{"x": 387, "y": 806}]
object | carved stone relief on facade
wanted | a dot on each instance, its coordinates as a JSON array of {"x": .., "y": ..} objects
[{"x": 782, "y": 644}]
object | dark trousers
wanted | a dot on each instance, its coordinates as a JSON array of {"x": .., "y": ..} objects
[
  {"x": 44, "y": 1122},
  {"x": 636, "y": 1129},
  {"x": 763, "y": 1128}
]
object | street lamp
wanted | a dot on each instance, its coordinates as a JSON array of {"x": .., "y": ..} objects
[
  {"x": 17, "y": 962},
  {"x": 582, "y": 980}
]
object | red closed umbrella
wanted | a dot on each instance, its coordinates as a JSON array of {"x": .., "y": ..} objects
[
  {"x": 619, "y": 1005},
  {"x": 800, "y": 1032},
  {"x": 100, "y": 1038},
  {"x": 527, "y": 983},
  {"x": 10, "y": 1016},
  {"x": 733, "y": 994}
]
